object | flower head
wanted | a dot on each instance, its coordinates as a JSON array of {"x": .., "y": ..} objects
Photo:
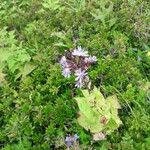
[
  {"x": 80, "y": 74},
  {"x": 70, "y": 140},
  {"x": 77, "y": 63},
  {"x": 79, "y": 83},
  {"x": 66, "y": 72},
  {"x": 63, "y": 62},
  {"x": 90, "y": 59},
  {"x": 75, "y": 138},
  {"x": 80, "y": 52}
]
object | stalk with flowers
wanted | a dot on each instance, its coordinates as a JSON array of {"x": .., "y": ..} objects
[{"x": 77, "y": 63}]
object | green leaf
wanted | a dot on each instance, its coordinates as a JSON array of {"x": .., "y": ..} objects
[
  {"x": 84, "y": 107},
  {"x": 98, "y": 114},
  {"x": 112, "y": 100},
  {"x": 85, "y": 93},
  {"x": 98, "y": 96}
]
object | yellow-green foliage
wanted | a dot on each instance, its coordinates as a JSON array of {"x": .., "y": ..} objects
[{"x": 98, "y": 114}]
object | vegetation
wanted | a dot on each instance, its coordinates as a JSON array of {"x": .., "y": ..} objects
[{"x": 38, "y": 106}]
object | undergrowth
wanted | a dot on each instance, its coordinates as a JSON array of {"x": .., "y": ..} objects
[{"x": 37, "y": 105}]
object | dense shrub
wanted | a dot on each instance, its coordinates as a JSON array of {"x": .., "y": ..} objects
[{"x": 37, "y": 105}]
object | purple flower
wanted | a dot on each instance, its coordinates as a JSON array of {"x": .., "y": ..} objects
[
  {"x": 75, "y": 138},
  {"x": 72, "y": 64},
  {"x": 80, "y": 74},
  {"x": 68, "y": 141},
  {"x": 90, "y": 59},
  {"x": 79, "y": 84},
  {"x": 66, "y": 72},
  {"x": 63, "y": 62},
  {"x": 80, "y": 52}
]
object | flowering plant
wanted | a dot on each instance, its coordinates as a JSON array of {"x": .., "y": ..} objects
[
  {"x": 77, "y": 62},
  {"x": 71, "y": 140}
]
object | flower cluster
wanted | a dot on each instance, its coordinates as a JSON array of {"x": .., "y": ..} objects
[
  {"x": 70, "y": 140},
  {"x": 77, "y": 62}
]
